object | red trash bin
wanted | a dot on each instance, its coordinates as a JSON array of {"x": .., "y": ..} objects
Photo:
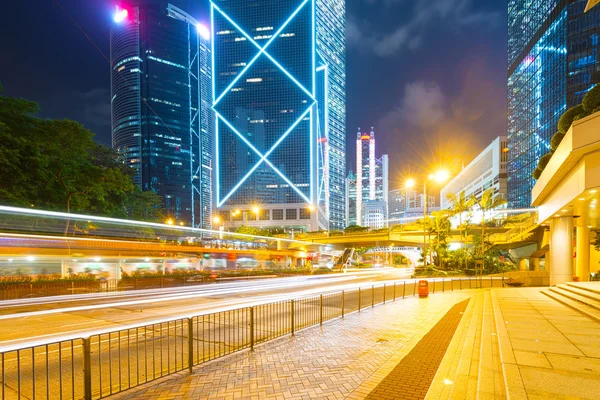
[{"x": 423, "y": 288}]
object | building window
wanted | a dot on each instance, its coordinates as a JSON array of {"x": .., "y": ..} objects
[
  {"x": 304, "y": 213},
  {"x": 237, "y": 215},
  {"x": 291, "y": 213},
  {"x": 264, "y": 215},
  {"x": 277, "y": 215}
]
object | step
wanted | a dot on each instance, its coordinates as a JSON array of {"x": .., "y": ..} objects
[
  {"x": 590, "y": 287},
  {"x": 593, "y": 303},
  {"x": 584, "y": 309},
  {"x": 582, "y": 292}
]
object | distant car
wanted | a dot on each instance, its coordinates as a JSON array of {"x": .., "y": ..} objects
[{"x": 246, "y": 263}]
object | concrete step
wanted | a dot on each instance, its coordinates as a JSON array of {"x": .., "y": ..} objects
[
  {"x": 572, "y": 294},
  {"x": 593, "y": 287},
  {"x": 585, "y": 309},
  {"x": 593, "y": 296}
]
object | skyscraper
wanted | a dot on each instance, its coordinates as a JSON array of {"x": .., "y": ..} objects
[
  {"x": 161, "y": 97},
  {"x": 553, "y": 52},
  {"x": 279, "y": 98},
  {"x": 351, "y": 199},
  {"x": 371, "y": 175}
]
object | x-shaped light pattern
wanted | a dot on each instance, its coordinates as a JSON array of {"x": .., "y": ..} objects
[{"x": 262, "y": 50}]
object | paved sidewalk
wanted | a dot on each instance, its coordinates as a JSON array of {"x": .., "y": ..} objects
[
  {"x": 548, "y": 350},
  {"x": 343, "y": 359}
]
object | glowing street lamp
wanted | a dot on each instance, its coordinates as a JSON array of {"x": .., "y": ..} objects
[
  {"x": 170, "y": 221},
  {"x": 120, "y": 15},
  {"x": 311, "y": 207},
  {"x": 256, "y": 210}
]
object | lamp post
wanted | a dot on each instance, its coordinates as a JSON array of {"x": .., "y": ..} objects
[
  {"x": 439, "y": 177},
  {"x": 217, "y": 220}
]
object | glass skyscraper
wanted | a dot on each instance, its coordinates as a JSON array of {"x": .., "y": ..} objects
[
  {"x": 279, "y": 100},
  {"x": 552, "y": 62},
  {"x": 161, "y": 96}
]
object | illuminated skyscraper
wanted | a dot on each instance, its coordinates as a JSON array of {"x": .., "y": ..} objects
[
  {"x": 371, "y": 175},
  {"x": 553, "y": 50},
  {"x": 279, "y": 98},
  {"x": 350, "y": 199},
  {"x": 161, "y": 96}
]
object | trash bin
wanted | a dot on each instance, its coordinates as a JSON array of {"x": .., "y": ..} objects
[
  {"x": 576, "y": 279},
  {"x": 423, "y": 288}
]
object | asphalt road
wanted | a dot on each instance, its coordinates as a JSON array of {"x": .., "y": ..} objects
[{"x": 63, "y": 317}]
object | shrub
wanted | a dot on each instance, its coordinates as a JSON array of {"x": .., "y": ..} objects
[
  {"x": 591, "y": 101},
  {"x": 544, "y": 161},
  {"x": 566, "y": 120},
  {"x": 555, "y": 141}
]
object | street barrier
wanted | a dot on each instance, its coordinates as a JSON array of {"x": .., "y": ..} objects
[{"x": 104, "y": 364}]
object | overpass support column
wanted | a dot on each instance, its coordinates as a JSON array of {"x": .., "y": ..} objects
[
  {"x": 561, "y": 250},
  {"x": 582, "y": 262},
  {"x": 279, "y": 245},
  {"x": 523, "y": 265},
  {"x": 535, "y": 262}
]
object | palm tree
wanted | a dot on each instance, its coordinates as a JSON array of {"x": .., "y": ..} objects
[
  {"x": 460, "y": 204},
  {"x": 440, "y": 227},
  {"x": 486, "y": 203}
]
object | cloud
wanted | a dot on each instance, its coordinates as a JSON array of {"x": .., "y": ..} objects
[
  {"x": 422, "y": 105},
  {"x": 363, "y": 36},
  {"x": 96, "y": 106}
]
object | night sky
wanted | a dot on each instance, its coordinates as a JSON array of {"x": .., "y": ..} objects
[{"x": 429, "y": 75}]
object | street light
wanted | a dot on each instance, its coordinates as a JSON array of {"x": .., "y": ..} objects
[
  {"x": 170, "y": 221},
  {"x": 439, "y": 176}
]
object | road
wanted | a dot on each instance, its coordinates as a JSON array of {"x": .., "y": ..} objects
[{"x": 63, "y": 317}]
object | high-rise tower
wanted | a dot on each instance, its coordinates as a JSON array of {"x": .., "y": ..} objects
[
  {"x": 279, "y": 99},
  {"x": 161, "y": 97},
  {"x": 553, "y": 50}
]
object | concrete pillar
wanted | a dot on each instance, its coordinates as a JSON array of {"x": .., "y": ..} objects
[
  {"x": 279, "y": 247},
  {"x": 535, "y": 262},
  {"x": 582, "y": 262},
  {"x": 523, "y": 265},
  {"x": 561, "y": 250}
]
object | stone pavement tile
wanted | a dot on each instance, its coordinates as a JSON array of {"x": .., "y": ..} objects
[
  {"x": 558, "y": 358},
  {"x": 329, "y": 362},
  {"x": 412, "y": 377}
]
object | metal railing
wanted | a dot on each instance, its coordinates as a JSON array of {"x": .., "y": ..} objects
[{"x": 107, "y": 363}]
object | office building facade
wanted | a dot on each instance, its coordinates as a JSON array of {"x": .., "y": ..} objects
[
  {"x": 487, "y": 170},
  {"x": 553, "y": 49},
  {"x": 160, "y": 103},
  {"x": 371, "y": 176},
  {"x": 279, "y": 91},
  {"x": 351, "y": 199}
]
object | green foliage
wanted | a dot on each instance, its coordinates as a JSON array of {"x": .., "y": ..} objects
[
  {"x": 544, "y": 161},
  {"x": 250, "y": 230},
  {"x": 566, "y": 120},
  {"x": 57, "y": 165},
  {"x": 555, "y": 141},
  {"x": 355, "y": 228},
  {"x": 536, "y": 173},
  {"x": 591, "y": 101}
]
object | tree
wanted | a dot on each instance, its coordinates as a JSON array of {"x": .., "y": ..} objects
[
  {"x": 440, "y": 228},
  {"x": 57, "y": 165},
  {"x": 460, "y": 205},
  {"x": 486, "y": 203}
]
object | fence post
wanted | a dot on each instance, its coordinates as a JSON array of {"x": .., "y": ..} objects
[
  {"x": 251, "y": 328},
  {"x": 434, "y": 286},
  {"x": 491, "y": 282},
  {"x": 321, "y": 310},
  {"x": 394, "y": 291},
  {"x": 470, "y": 284},
  {"x": 372, "y": 296},
  {"x": 190, "y": 344},
  {"x": 343, "y": 305},
  {"x": 452, "y": 284},
  {"x": 403, "y": 289},
  {"x": 384, "y": 293},
  {"x": 87, "y": 369},
  {"x": 443, "y": 285},
  {"x": 460, "y": 283},
  {"x": 292, "y": 315},
  {"x": 359, "y": 299}
]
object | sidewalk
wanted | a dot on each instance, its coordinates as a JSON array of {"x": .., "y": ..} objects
[{"x": 343, "y": 359}]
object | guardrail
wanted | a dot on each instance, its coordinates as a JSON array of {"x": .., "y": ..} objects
[{"x": 107, "y": 363}]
